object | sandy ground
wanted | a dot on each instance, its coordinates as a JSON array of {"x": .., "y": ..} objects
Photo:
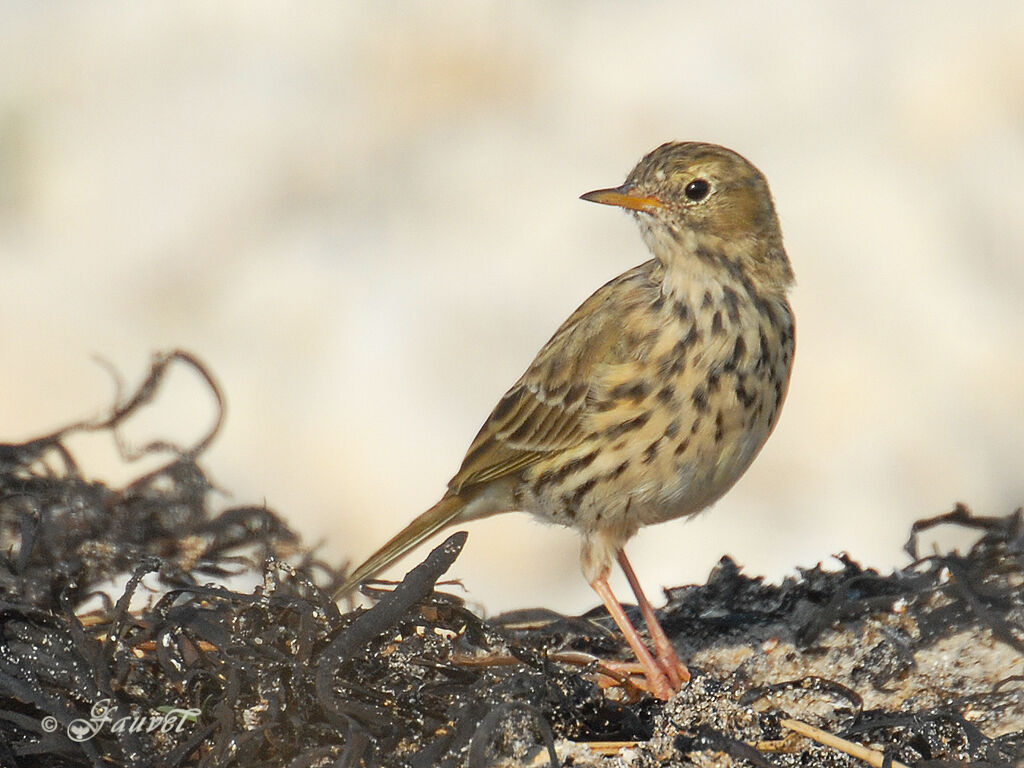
[{"x": 363, "y": 217}]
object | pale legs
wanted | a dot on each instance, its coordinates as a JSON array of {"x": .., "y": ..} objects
[{"x": 668, "y": 673}]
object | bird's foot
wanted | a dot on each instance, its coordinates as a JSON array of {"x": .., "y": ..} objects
[
  {"x": 635, "y": 676},
  {"x": 677, "y": 673}
]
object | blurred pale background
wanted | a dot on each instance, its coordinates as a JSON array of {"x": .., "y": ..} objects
[{"x": 364, "y": 218}]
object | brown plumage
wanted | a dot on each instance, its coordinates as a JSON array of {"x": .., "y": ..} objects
[{"x": 655, "y": 395}]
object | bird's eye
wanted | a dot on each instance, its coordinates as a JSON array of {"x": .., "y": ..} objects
[{"x": 697, "y": 190}]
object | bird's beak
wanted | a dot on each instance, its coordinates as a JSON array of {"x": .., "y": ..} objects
[{"x": 625, "y": 196}]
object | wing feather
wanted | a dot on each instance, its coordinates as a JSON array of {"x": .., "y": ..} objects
[{"x": 546, "y": 411}]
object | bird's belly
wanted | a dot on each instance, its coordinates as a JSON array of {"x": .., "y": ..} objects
[
  {"x": 673, "y": 430},
  {"x": 656, "y": 474},
  {"x": 701, "y": 477}
]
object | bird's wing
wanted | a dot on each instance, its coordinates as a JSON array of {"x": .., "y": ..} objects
[{"x": 545, "y": 411}]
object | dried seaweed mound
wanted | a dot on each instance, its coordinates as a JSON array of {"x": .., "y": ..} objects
[{"x": 126, "y": 640}]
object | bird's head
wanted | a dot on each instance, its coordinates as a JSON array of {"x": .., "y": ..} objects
[{"x": 702, "y": 201}]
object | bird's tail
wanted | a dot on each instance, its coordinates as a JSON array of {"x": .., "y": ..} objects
[{"x": 439, "y": 516}]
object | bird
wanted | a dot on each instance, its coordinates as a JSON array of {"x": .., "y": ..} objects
[{"x": 654, "y": 396}]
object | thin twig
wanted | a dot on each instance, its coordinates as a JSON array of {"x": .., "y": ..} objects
[{"x": 870, "y": 756}]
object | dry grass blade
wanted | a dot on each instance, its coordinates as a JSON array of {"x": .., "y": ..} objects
[{"x": 870, "y": 756}]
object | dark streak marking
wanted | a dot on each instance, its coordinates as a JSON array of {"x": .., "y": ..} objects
[
  {"x": 746, "y": 398},
  {"x": 617, "y": 471},
  {"x": 627, "y": 426},
  {"x": 651, "y": 451},
  {"x": 557, "y": 475},
  {"x": 692, "y": 337},
  {"x": 580, "y": 492},
  {"x": 714, "y": 257},
  {"x": 732, "y": 303},
  {"x": 739, "y": 350},
  {"x": 764, "y": 359},
  {"x": 700, "y": 399},
  {"x": 635, "y": 391}
]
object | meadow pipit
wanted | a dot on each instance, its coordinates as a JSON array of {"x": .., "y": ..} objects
[{"x": 655, "y": 395}]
